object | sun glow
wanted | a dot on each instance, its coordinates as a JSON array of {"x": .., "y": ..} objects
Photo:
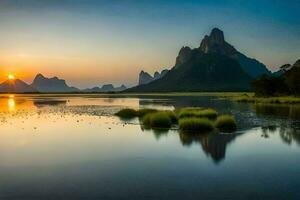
[
  {"x": 11, "y": 103},
  {"x": 11, "y": 77}
]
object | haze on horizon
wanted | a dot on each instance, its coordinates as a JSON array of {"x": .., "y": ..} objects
[{"x": 94, "y": 42}]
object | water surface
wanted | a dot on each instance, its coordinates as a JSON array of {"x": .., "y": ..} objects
[{"x": 73, "y": 147}]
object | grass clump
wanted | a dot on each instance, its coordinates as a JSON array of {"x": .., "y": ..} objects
[
  {"x": 145, "y": 111},
  {"x": 157, "y": 120},
  {"x": 173, "y": 116},
  {"x": 226, "y": 123},
  {"x": 198, "y": 113},
  {"x": 196, "y": 124},
  {"x": 127, "y": 113}
]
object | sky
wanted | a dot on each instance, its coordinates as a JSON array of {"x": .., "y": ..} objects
[{"x": 93, "y": 42}]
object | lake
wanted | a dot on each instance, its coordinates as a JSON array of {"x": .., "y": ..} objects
[{"x": 73, "y": 147}]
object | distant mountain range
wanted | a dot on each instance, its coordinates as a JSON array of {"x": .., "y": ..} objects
[
  {"x": 106, "y": 88},
  {"x": 43, "y": 84},
  {"x": 145, "y": 77},
  {"x": 214, "y": 66}
]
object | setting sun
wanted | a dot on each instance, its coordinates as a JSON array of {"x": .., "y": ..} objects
[{"x": 11, "y": 77}]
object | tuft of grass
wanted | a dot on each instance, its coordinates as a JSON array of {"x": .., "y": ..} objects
[
  {"x": 226, "y": 123},
  {"x": 157, "y": 120},
  {"x": 142, "y": 112},
  {"x": 173, "y": 116},
  {"x": 200, "y": 113},
  {"x": 195, "y": 124},
  {"x": 127, "y": 113}
]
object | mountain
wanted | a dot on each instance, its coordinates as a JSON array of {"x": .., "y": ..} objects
[
  {"x": 16, "y": 86},
  {"x": 215, "y": 43},
  {"x": 106, "y": 88},
  {"x": 282, "y": 70},
  {"x": 211, "y": 67},
  {"x": 145, "y": 77},
  {"x": 43, "y": 84}
]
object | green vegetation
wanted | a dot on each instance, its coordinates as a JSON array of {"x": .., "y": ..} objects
[
  {"x": 195, "y": 124},
  {"x": 127, "y": 113},
  {"x": 268, "y": 100},
  {"x": 196, "y": 119},
  {"x": 226, "y": 123},
  {"x": 198, "y": 112},
  {"x": 157, "y": 120},
  {"x": 142, "y": 112}
]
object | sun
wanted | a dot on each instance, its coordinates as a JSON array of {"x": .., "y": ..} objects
[{"x": 11, "y": 77}]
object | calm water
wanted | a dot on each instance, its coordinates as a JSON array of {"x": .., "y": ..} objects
[{"x": 72, "y": 147}]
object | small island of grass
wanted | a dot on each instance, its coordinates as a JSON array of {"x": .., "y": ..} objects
[
  {"x": 226, "y": 123},
  {"x": 197, "y": 120}
]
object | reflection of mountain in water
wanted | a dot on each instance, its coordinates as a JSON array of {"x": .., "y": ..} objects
[{"x": 214, "y": 145}]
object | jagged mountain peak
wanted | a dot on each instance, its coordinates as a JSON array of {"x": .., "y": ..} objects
[
  {"x": 215, "y": 43},
  {"x": 54, "y": 84}
]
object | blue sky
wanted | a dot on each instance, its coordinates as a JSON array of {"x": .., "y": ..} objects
[{"x": 91, "y": 42}]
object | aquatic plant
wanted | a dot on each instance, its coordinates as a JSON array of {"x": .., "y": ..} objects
[
  {"x": 173, "y": 116},
  {"x": 157, "y": 120},
  {"x": 226, "y": 123},
  {"x": 267, "y": 100},
  {"x": 195, "y": 124},
  {"x": 200, "y": 113},
  {"x": 127, "y": 113},
  {"x": 145, "y": 111}
]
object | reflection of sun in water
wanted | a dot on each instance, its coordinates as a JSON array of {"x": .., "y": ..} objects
[
  {"x": 11, "y": 77},
  {"x": 11, "y": 103}
]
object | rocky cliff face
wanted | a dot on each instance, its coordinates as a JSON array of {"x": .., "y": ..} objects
[
  {"x": 145, "y": 77},
  {"x": 43, "y": 84},
  {"x": 184, "y": 55},
  {"x": 215, "y": 43}
]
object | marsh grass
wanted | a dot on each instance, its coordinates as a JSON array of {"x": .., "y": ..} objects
[
  {"x": 269, "y": 100},
  {"x": 195, "y": 124},
  {"x": 142, "y": 112},
  {"x": 157, "y": 120},
  {"x": 226, "y": 123},
  {"x": 127, "y": 113},
  {"x": 200, "y": 113}
]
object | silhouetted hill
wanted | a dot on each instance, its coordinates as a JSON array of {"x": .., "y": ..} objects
[
  {"x": 211, "y": 67},
  {"x": 145, "y": 77},
  {"x": 106, "y": 88},
  {"x": 215, "y": 43},
  {"x": 43, "y": 84},
  {"x": 16, "y": 86},
  {"x": 284, "y": 82}
]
